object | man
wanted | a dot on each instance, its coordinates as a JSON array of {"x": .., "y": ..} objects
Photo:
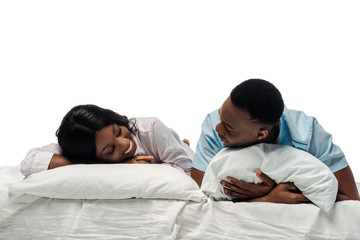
[{"x": 255, "y": 113}]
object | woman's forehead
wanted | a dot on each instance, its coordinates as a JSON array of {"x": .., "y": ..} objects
[{"x": 104, "y": 135}]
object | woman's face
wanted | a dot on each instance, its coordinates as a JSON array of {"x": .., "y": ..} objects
[{"x": 114, "y": 144}]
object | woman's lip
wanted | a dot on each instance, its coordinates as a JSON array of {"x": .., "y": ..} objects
[{"x": 132, "y": 148}]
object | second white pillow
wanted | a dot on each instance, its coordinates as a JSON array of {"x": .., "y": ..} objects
[{"x": 281, "y": 163}]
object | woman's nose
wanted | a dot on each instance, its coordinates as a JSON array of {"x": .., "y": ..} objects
[{"x": 122, "y": 143}]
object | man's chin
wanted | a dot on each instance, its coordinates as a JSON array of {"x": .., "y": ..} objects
[
  {"x": 234, "y": 145},
  {"x": 229, "y": 145}
]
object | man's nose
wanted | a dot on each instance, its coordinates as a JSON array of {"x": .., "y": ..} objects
[{"x": 220, "y": 129}]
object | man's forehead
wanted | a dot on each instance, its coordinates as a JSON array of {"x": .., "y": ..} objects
[{"x": 233, "y": 115}]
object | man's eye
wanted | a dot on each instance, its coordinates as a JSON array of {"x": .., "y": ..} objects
[{"x": 228, "y": 131}]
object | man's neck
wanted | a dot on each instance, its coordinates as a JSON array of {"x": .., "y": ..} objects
[{"x": 273, "y": 134}]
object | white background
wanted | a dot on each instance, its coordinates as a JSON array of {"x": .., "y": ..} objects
[{"x": 176, "y": 60}]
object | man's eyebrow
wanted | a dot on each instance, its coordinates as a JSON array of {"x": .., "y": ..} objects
[
  {"x": 227, "y": 125},
  {"x": 108, "y": 144}
]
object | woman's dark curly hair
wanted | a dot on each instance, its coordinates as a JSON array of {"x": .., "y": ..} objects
[{"x": 76, "y": 134}]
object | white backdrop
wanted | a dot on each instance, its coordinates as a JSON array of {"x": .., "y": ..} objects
[{"x": 176, "y": 60}]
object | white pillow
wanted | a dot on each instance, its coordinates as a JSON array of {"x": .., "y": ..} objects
[
  {"x": 281, "y": 163},
  {"x": 111, "y": 181}
]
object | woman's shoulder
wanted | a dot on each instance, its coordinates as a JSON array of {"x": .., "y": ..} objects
[{"x": 146, "y": 123}]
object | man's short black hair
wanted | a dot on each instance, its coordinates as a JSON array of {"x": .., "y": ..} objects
[{"x": 261, "y": 98}]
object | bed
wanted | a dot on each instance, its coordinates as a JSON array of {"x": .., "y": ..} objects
[{"x": 158, "y": 202}]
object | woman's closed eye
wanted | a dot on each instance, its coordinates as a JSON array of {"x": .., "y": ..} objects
[
  {"x": 119, "y": 132},
  {"x": 110, "y": 151}
]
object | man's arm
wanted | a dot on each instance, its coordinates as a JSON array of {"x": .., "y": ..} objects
[
  {"x": 286, "y": 192},
  {"x": 283, "y": 193},
  {"x": 347, "y": 189},
  {"x": 245, "y": 191},
  {"x": 197, "y": 175},
  {"x": 267, "y": 191},
  {"x": 208, "y": 145},
  {"x": 324, "y": 149}
]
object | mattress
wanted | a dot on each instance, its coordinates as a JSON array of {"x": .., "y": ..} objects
[{"x": 32, "y": 217}]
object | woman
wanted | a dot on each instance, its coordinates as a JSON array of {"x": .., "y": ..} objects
[{"x": 90, "y": 134}]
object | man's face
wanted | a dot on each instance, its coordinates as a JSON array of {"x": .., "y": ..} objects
[{"x": 236, "y": 127}]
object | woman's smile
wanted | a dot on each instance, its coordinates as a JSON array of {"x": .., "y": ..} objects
[{"x": 130, "y": 151}]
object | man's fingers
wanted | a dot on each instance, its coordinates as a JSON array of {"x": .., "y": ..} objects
[
  {"x": 249, "y": 190},
  {"x": 295, "y": 192},
  {"x": 291, "y": 187},
  {"x": 239, "y": 183},
  {"x": 235, "y": 194},
  {"x": 234, "y": 190},
  {"x": 263, "y": 177}
]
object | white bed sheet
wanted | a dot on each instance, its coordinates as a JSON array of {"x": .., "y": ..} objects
[{"x": 28, "y": 217}]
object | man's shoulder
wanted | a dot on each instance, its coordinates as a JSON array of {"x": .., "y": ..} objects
[
  {"x": 300, "y": 127},
  {"x": 212, "y": 119},
  {"x": 296, "y": 117}
]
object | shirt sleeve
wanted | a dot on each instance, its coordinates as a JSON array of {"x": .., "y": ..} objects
[
  {"x": 169, "y": 148},
  {"x": 323, "y": 148},
  {"x": 38, "y": 159},
  {"x": 209, "y": 143}
]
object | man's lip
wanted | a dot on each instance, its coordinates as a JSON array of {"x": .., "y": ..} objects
[
  {"x": 225, "y": 141},
  {"x": 222, "y": 139}
]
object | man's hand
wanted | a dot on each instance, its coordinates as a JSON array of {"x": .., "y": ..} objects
[
  {"x": 243, "y": 190},
  {"x": 283, "y": 193}
]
